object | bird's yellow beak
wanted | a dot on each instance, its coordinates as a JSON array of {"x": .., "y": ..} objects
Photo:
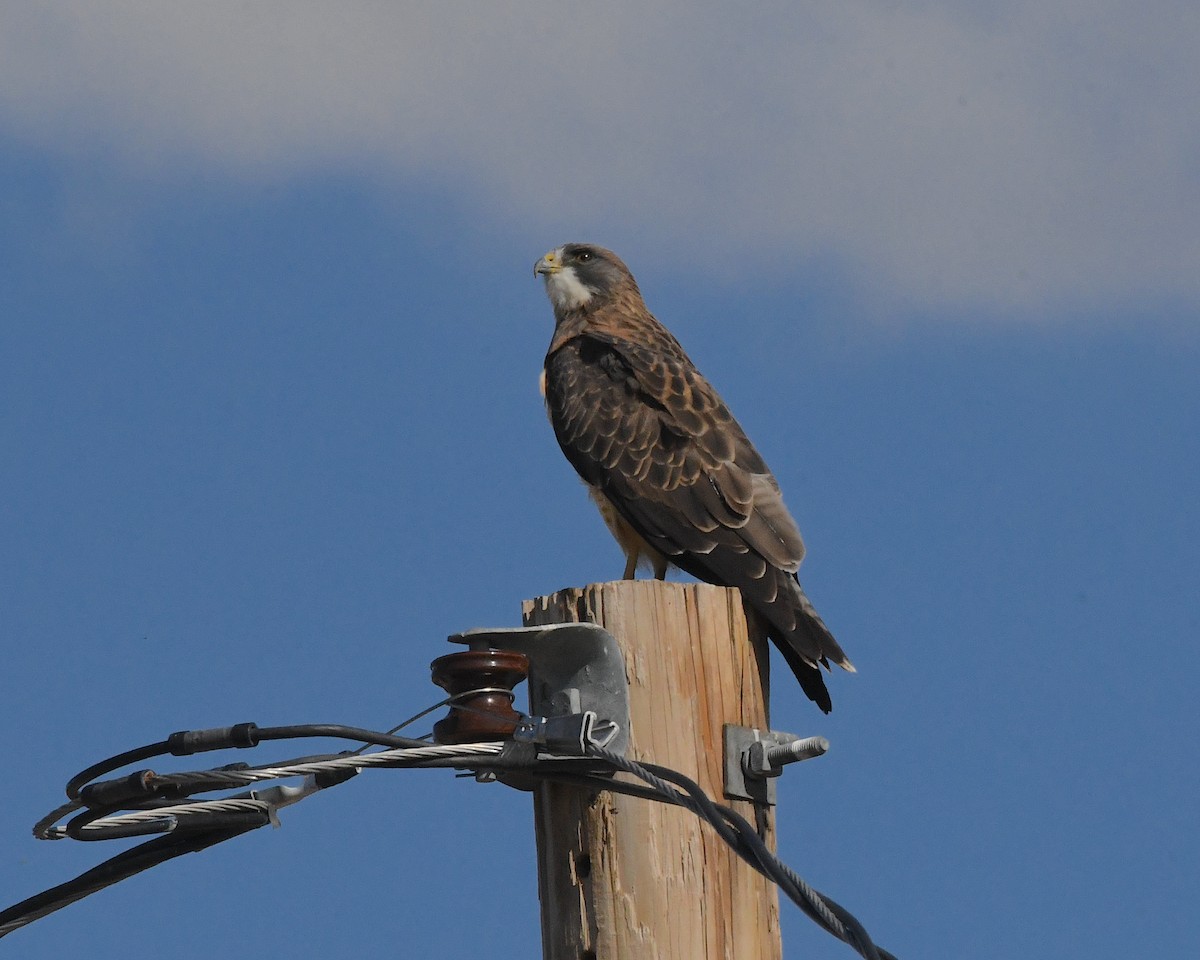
[{"x": 550, "y": 263}]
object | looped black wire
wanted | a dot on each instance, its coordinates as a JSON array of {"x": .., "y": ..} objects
[
  {"x": 147, "y": 791},
  {"x": 293, "y": 732}
]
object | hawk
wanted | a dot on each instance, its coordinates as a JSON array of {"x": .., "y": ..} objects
[{"x": 675, "y": 477}]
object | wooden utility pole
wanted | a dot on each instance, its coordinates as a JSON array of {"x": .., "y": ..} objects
[{"x": 621, "y": 878}]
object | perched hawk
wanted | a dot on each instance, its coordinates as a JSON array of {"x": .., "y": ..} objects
[{"x": 673, "y": 473}]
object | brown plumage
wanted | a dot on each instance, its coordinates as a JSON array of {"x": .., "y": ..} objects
[{"x": 674, "y": 474}]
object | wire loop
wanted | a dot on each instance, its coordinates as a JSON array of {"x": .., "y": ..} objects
[{"x": 185, "y": 824}]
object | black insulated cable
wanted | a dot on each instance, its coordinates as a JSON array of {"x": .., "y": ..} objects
[
  {"x": 238, "y": 736},
  {"x": 120, "y": 867},
  {"x": 154, "y": 803}
]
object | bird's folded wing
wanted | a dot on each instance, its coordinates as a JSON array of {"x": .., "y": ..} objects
[{"x": 645, "y": 427}]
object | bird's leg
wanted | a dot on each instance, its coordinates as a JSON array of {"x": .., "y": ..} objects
[
  {"x": 660, "y": 567},
  {"x": 630, "y": 567}
]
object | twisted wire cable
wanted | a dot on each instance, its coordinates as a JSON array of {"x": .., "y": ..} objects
[{"x": 147, "y": 803}]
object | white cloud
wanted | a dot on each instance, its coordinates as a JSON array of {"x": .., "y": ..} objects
[{"x": 1018, "y": 155}]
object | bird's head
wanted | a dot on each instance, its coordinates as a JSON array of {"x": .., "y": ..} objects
[{"x": 581, "y": 275}]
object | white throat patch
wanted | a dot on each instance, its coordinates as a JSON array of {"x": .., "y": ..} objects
[{"x": 566, "y": 290}]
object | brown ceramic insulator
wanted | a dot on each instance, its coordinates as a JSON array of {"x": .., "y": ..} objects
[{"x": 484, "y": 716}]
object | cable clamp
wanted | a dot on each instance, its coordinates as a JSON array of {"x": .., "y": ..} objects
[
  {"x": 571, "y": 734},
  {"x": 278, "y": 797}
]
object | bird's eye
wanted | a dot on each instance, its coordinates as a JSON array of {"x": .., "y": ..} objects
[{"x": 583, "y": 256}]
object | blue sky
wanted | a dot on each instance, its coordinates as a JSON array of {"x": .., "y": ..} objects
[{"x": 269, "y": 345}]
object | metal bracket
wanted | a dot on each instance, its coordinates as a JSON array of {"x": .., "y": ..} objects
[
  {"x": 754, "y": 758},
  {"x": 574, "y": 669}
]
